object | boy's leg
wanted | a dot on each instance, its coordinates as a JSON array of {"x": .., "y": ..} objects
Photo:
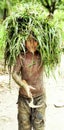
[
  {"x": 23, "y": 115},
  {"x": 39, "y": 114}
]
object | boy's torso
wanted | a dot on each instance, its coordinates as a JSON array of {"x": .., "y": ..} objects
[{"x": 32, "y": 72}]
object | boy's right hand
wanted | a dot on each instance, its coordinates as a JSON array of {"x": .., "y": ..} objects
[{"x": 28, "y": 89}]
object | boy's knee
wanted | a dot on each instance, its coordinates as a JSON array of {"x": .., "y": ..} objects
[{"x": 39, "y": 119}]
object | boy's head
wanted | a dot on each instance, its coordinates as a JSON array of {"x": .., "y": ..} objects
[{"x": 31, "y": 44}]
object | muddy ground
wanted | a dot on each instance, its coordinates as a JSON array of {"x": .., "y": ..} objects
[{"x": 54, "y": 97}]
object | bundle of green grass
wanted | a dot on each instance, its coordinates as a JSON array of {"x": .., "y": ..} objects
[{"x": 30, "y": 19}]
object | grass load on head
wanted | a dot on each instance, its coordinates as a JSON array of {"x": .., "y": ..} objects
[{"x": 30, "y": 19}]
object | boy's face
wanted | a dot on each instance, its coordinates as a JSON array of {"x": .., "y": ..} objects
[{"x": 31, "y": 45}]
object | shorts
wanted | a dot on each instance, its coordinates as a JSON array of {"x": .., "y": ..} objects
[{"x": 29, "y": 118}]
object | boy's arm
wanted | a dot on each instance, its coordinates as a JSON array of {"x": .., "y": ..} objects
[
  {"x": 22, "y": 83},
  {"x": 17, "y": 78},
  {"x": 17, "y": 70}
]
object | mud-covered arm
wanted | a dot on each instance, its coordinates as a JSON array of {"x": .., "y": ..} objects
[
  {"x": 18, "y": 80},
  {"x": 16, "y": 72},
  {"x": 16, "y": 76}
]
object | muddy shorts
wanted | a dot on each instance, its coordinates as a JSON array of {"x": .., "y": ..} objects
[{"x": 29, "y": 118}]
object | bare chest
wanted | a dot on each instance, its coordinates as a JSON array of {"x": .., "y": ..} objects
[{"x": 30, "y": 63}]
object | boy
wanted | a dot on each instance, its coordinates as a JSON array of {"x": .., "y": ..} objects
[{"x": 28, "y": 74}]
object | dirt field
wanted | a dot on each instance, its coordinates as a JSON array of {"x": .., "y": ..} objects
[{"x": 55, "y": 96}]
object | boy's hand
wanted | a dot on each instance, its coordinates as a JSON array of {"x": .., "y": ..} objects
[{"x": 28, "y": 89}]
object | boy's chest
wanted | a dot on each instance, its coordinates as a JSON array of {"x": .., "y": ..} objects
[{"x": 31, "y": 63}]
